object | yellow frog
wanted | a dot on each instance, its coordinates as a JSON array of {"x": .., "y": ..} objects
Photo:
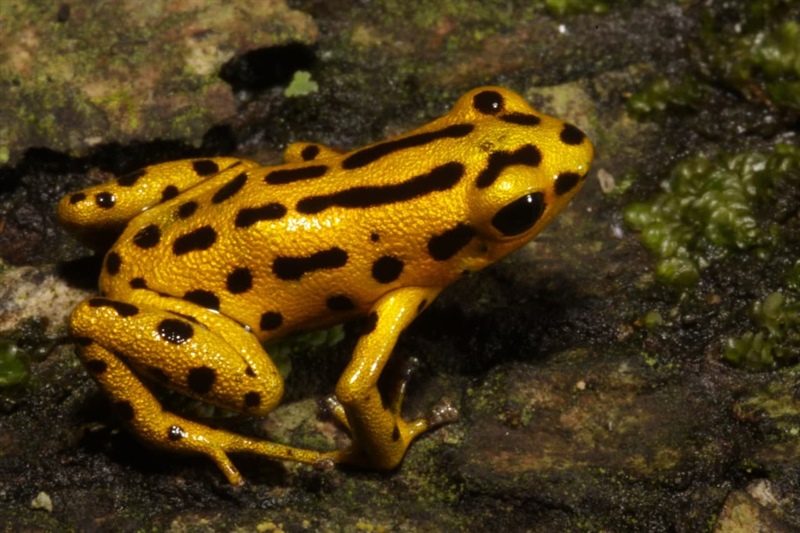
[{"x": 217, "y": 256}]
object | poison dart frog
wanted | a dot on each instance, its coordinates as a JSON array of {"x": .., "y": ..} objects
[{"x": 216, "y": 256}]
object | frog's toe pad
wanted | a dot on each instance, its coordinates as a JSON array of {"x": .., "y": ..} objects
[
  {"x": 326, "y": 462},
  {"x": 332, "y": 407},
  {"x": 443, "y": 413}
]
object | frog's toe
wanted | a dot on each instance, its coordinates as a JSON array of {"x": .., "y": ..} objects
[
  {"x": 327, "y": 461},
  {"x": 331, "y": 406},
  {"x": 442, "y": 413}
]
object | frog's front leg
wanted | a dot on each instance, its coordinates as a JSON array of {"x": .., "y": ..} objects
[
  {"x": 186, "y": 348},
  {"x": 380, "y": 435}
]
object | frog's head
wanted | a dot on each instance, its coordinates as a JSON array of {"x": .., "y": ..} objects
[{"x": 531, "y": 167}]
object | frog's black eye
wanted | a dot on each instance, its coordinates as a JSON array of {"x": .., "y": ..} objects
[
  {"x": 520, "y": 215},
  {"x": 488, "y": 102}
]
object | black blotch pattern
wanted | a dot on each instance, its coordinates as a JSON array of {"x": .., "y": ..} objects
[
  {"x": 96, "y": 366},
  {"x": 123, "y": 309},
  {"x": 289, "y": 175},
  {"x": 137, "y": 283},
  {"x": 147, "y": 237},
  {"x": 447, "y": 244},
  {"x": 200, "y": 239},
  {"x": 176, "y": 433},
  {"x": 113, "y": 263},
  {"x": 488, "y": 102},
  {"x": 248, "y": 216},
  {"x": 565, "y": 182},
  {"x": 271, "y": 320},
  {"x": 187, "y": 209},
  {"x": 396, "y": 433},
  {"x": 203, "y": 298},
  {"x": 249, "y": 371},
  {"x": 374, "y": 237},
  {"x": 527, "y": 155},
  {"x": 521, "y": 119},
  {"x": 169, "y": 192},
  {"x": 205, "y": 167},
  {"x": 370, "y": 323},
  {"x": 252, "y": 399},
  {"x": 386, "y": 269},
  {"x": 175, "y": 331},
  {"x": 77, "y": 197},
  {"x": 124, "y": 410},
  {"x": 104, "y": 200},
  {"x": 201, "y": 379},
  {"x": 239, "y": 281},
  {"x": 520, "y": 215},
  {"x": 310, "y": 152},
  {"x": 130, "y": 179},
  {"x": 572, "y": 135},
  {"x": 293, "y": 268},
  {"x": 441, "y": 178},
  {"x": 340, "y": 303},
  {"x": 229, "y": 189},
  {"x": 370, "y": 154},
  {"x": 421, "y": 306}
]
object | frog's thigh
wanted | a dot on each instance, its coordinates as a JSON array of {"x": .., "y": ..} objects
[
  {"x": 184, "y": 353},
  {"x": 380, "y": 435}
]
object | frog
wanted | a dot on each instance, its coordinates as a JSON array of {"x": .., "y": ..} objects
[{"x": 212, "y": 258}]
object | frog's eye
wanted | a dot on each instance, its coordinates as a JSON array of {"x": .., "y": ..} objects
[
  {"x": 520, "y": 215},
  {"x": 488, "y": 102}
]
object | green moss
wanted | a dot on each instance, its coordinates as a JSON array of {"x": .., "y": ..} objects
[
  {"x": 762, "y": 62},
  {"x": 754, "y": 49},
  {"x": 13, "y": 364},
  {"x": 710, "y": 208},
  {"x": 571, "y": 7},
  {"x": 281, "y": 351},
  {"x": 653, "y": 319},
  {"x": 793, "y": 278},
  {"x": 301, "y": 85},
  {"x": 664, "y": 94},
  {"x": 777, "y": 339}
]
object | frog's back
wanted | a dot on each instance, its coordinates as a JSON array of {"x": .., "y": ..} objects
[{"x": 314, "y": 242}]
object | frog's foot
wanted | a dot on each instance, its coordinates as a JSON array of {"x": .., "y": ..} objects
[
  {"x": 390, "y": 451},
  {"x": 392, "y": 398}
]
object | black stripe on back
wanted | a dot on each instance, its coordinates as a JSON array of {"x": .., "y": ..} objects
[
  {"x": 293, "y": 268},
  {"x": 372, "y": 153},
  {"x": 527, "y": 155},
  {"x": 441, "y": 178},
  {"x": 290, "y": 175}
]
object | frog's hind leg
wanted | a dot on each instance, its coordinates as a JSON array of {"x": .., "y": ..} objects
[
  {"x": 97, "y": 214},
  {"x": 119, "y": 342},
  {"x": 380, "y": 435}
]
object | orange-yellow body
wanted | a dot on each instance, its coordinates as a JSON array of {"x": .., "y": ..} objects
[{"x": 220, "y": 255}]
